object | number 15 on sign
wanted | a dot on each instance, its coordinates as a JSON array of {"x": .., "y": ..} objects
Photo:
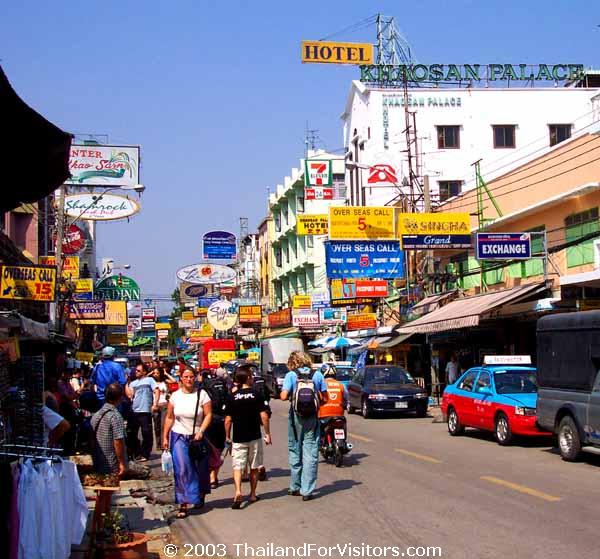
[{"x": 356, "y": 222}]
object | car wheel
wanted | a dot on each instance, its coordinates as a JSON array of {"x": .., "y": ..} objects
[
  {"x": 502, "y": 430},
  {"x": 366, "y": 409},
  {"x": 455, "y": 427},
  {"x": 569, "y": 442},
  {"x": 421, "y": 410}
]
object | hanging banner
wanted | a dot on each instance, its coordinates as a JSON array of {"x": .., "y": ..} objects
[
  {"x": 305, "y": 319},
  {"x": 118, "y": 288},
  {"x": 503, "y": 246},
  {"x": 219, "y": 245},
  {"x": 36, "y": 283},
  {"x": 331, "y": 317},
  {"x": 70, "y": 265},
  {"x": 96, "y": 165},
  {"x": 250, "y": 314},
  {"x": 312, "y": 224},
  {"x": 279, "y": 319},
  {"x": 115, "y": 314},
  {"x": 328, "y": 52},
  {"x": 374, "y": 259},
  {"x": 361, "y": 321},
  {"x": 85, "y": 309},
  {"x": 362, "y": 223},
  {"x": 301, "y": 302},
  {"x": 435, "y": 230},
  {"x": 96, "y": 207},
  {"x": 203, "y": 274},
  {"x": 317, "y": 172},
  {"x": 222, "y": 315}
]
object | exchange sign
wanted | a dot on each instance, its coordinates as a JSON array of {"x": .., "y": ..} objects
[
  {"x": 312, "y": 224},
  {"x": 219, "y": 245},
  {"x": 503, "y": 246},
  {"x": 305, "y": 319},
  {"x": 36, "y": 283},
  {"x": 372, "y": 259},
  {"x": 435, "y": 230},
  {"x": 361, "y": 223}
]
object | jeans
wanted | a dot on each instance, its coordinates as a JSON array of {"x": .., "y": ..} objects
[
  {"x": 303, "y": 451},
  {"x": 136, "y": 422}
]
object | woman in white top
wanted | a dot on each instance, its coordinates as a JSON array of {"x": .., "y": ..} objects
[
  {"x": 192, "y": 481},
  {"x": 158, "y": 416}
]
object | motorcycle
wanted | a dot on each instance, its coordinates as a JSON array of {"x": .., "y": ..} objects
[{"x": 333, "y": 440}]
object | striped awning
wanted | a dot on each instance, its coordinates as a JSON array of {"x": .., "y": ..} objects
[{"x": 466, "y": 312}]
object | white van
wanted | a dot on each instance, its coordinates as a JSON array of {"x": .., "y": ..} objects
[{"x": 274, "y": 354}]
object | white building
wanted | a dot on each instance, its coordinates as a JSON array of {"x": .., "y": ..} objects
[{"x": 502, "y": 127}]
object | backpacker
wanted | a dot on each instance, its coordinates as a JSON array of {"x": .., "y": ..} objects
[
  {"x": 217, "y": 390},
  {"x": 305, "y": 400}
]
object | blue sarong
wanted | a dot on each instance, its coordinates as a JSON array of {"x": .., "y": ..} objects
[{"x": 192, "y": 477}]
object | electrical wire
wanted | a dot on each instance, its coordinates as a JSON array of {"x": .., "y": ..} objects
[{"x": 353, "y": 28}]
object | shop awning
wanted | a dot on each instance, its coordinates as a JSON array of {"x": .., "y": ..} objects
[
  {"x": 433, "y": 302},
  {"x": 396, "y": 340},
  {"x": 27, "y": 328},
  {"x": 27, "y": 176},
  {"x": 466, "y": 312},
  {"x": 291, "y": 332},
  {"x": 377, "y": 341}
]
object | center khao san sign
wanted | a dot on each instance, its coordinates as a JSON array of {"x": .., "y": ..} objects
[
  {"x": 96, "y": 165},
  {"x": 100, "y": 207},
  {"x": 117, "y": 288}
]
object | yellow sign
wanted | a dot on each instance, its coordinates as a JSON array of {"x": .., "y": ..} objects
[
  {"x": 84, "y": 285},
  {"x": 218, "y": 356},
  {"x": 163, "y": 353},
  {"x": 328, "y": 52},
  {"x": 162, "y": 326},
  {"x": 200, "y": 311},
  {"x": 84, "y": 356},
  {"x": 187, "y": 315},
  {"x": 115, "y": 314},
  {"x": 70, "y": 267},
  {"x": 250, "y": 313},
  {"x": 434, "y": 224},
  {"x": 302, "y": 302},
  {"x": 357, "y": 222},
  {"x": 117, "y": 338},
  {"x": 37, "y": 283},
  {"x": 206, "y": 330},
  {"x": 317, "y": 224}
]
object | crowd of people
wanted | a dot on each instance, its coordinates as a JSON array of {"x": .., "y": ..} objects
[{"x": 196, "y": 417}]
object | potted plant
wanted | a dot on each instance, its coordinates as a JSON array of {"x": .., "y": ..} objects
[{"x": 119, "y": 541}]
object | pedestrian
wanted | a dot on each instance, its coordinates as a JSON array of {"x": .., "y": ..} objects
[
  {"x": 144, "y": 395},
  {"x": 218, "y": 391},
  {"x": 189, "y": 414},
  {"x": 109, "y": 454},
  {"x": 221, "y": 371},
  {"x": 306, "y": 395},
  {"x": 246, "y": 412},
  {"x": 158, "y": 416},
  {"x": 260, "y": 388},
  {"x": 452, "y": 369},
  {"x": 107, "y": 372}
]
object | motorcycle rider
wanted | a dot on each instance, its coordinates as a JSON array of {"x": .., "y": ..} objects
[{"x": 337, "y": 402}]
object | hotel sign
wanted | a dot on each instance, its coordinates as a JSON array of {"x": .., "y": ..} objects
[
  {"x": 327, "y": 52},
  {"x": 435, "y": 73}
]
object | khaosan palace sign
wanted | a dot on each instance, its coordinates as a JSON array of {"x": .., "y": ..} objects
[{"x": 391, "y": 74}]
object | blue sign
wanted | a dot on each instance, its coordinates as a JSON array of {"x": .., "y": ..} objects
[
  {"x": 206, "y": 302},
  {"x": 503, "y": 246},
  {"x": 434, "y": 242},
  {"x": 364, "y": 259},
  {"x": 195, "y": 290},
  {"x": 219, "y": 245}
]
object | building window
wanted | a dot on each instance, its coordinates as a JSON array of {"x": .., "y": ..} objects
[
  {"x": 287, "y": 253},
  {"x": 580, "y": 225},
  {"x": 300, "y": 204},
  {"x": 284, "y": 212},
  {"x": 504, "y": 135},
  {"x": 448, "y": 189},
  {"x": 448, "y": 137},
  {"x": 277, "y": 220},
  {"x": 278, "y": 257},
  {"x": 559, "y": 133},
  {"x": 310, "y": 242}
]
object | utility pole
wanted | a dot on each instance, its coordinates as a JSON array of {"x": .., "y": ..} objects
[{"x": 58, "y": 253}]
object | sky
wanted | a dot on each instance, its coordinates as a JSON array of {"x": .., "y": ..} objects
[{"x": 216, "y": 96}]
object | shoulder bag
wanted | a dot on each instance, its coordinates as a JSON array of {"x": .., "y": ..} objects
[{"x": 198, "y": 450}]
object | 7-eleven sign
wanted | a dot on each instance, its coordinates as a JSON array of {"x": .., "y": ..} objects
[{"x": 317, "y": 172}]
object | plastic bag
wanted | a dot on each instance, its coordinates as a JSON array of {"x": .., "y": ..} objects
[{"x": 166, "y": 462}]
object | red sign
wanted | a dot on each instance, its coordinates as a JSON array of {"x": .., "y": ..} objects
[
  {"x": 280, "y": 318},
  {"x": 318, "y": 193},
  {"x": 371, "y": 288},
  {"x": 228, "y": 291},
  {"x": 361, "y": 321},
  {"x": 73, "y": 240},
  {"x": 382, "y": 174}
]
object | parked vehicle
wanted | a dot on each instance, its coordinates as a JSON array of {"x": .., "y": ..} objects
[
  {"x": 334, "y": 443},
  {"x": 569, "y": 380},
  {"x": 497, "y": 396},
  {"x": 274, "y": 354},
  {"x": 379, "y": 388}
]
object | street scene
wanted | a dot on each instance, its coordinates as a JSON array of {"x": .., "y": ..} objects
[{"x": 291, "y": 280}]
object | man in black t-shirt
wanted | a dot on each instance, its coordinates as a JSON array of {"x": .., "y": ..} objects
[{"x": 246, "y": 412}]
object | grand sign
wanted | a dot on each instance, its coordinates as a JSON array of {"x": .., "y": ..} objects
[
  {"x": 99, "y": 207},
  {"x": 435, "y": 230},
  {"x": 435, "y": 73}
]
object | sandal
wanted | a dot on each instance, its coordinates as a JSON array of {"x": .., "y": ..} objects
[
  {"x": 237, "y": 503},
  {"x": 183, "y": 512},
  {"x": 214, "y": 484},
  {"x": 250, "y": 501}
]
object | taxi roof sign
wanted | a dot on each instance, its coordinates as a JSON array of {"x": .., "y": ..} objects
[{"x": 507, "y": 360}]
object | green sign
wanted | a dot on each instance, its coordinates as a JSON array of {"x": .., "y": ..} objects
[
  {"x": 117, "y": 288},
  {"x": 390, "y": 74}
]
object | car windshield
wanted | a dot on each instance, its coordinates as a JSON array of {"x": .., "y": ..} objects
[
  {"x": 343, "y": 373},
  {"x": 280, "y": 370},
  {"x": 515, "y": 382},
  {"x": 387, "y": 375}
]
